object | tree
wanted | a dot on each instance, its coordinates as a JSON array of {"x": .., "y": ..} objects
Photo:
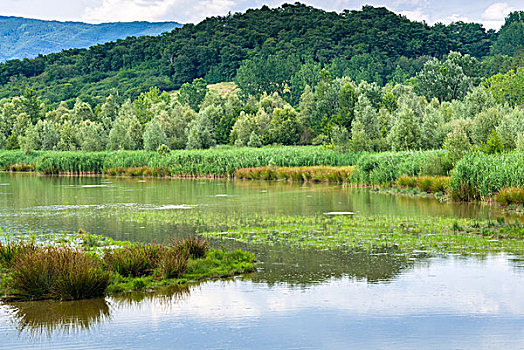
[
  {"x": 32, "y": 105},
  {"x": 92, "y": 137},
  {"x": 193, "y": 94},
  {"x": 405, "y": 133},
  {"x": 284, "y": 128},
  {"x": 154, "y": 136},
  {"x": 457, "y": 143},
  {"x": 507, "y": 88},
  {"x": 200, "y": 133},
  {"x": 448, "y": 80}
]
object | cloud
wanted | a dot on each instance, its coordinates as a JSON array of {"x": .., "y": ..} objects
[
  {"x": 156, "y": 10},
  {"x": 416, "y": 15},
  {"x": 497, "y": 11},
  {"x": 493, "y": 17}
]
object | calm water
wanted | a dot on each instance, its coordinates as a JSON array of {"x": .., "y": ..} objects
[{"x": 298, "y": 300}]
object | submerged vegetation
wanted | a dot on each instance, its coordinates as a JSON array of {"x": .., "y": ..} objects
[{"x": 32, "y": 271}]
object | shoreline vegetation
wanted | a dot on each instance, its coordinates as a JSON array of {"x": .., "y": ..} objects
[
  {"x": 477, "y": 176},
  {"x": 85, "y": 266}
]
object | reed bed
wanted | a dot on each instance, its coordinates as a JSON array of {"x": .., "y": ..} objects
[
  {"x": 220, "y": 161},
  {"x": 385, "y": 168},
  {"x": 428, "y": 184},
  {"x": 479, "y": 176},
  {"x": 299, "y": 174}
]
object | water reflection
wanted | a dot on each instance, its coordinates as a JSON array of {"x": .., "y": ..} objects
[
  {"x": 44, "y": 318},
  {"x": 303, "y": 267},
  {"x": 452, "y": 302}
]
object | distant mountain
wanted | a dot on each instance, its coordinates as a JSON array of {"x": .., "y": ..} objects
[{"x": 27, "y": 38}]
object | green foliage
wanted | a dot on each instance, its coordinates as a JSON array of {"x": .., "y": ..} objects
[
  {"x": 405, "y": 133},
  {"x": 154, "y": 136},
  {"x": 285, "y": 128},
  {"x": 494, "y": 144},
  {"x": 480, "y": 176},
  {"x": 448, "y": 80},
  {"x": 262, "y": 59},
  {"x": 193, "y": 94},
  {"x": 508, "y": 87}
]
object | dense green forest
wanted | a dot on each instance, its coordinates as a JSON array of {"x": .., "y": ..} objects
[
  {"x": 265, "y": 50},
  {"x": 27, "y": 38},
  {"x": 320, "y": 92}
]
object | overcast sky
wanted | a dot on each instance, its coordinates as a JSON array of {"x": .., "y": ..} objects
[{"x": 489, "y": 12}]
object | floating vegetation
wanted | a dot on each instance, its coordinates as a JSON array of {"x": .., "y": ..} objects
[{"x": 393, "y": 234}]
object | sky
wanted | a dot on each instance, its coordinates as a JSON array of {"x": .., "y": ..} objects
[{"x": 490, "y": 13}]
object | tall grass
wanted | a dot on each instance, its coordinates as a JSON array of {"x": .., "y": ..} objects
[
  {"x": 385, "y": 168},
  {"x": 302, "y": 174},
  {"x": 480, "y": 176},
  {"x": 58, "y": 273},
  {"x": 218, "y": 162}
]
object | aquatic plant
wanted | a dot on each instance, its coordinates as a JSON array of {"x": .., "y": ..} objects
[
  {"x": 480, "y": 176},
  {"x": 58, "y": 273},
  {"x": 301, "y": 174}
]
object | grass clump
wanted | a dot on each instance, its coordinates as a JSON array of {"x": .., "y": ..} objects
[
  {"x": 57, "y": 273},
  {"x": 428, "y": 184},
  {"x": 31, "y": 272},
  {"x": 510, "y": 196},
  {"x": 135, "y": 261}
]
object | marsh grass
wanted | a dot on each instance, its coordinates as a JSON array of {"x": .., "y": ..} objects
[
  {"x": 428, "y": 184},
  {"x": 59, "y": 273},
  {"x": 510, "y": 196},
  {"x": 64, "y": 272},
  {"x": 298, "y": 174}
]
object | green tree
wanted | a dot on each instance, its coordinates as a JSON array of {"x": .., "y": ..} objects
[
  {"x": 200, "y": 133},
  {"x": 154, "y": 136},
  {"x": 193, "y": 94},
  {"x": 448, "y": 80},
  {"x": 284, "y": 128},
  {"x": 405, "y": 133}
]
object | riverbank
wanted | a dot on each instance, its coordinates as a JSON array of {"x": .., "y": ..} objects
[
  {"x": 476, "y": 176},
  {"x": 83, "y": 266}
]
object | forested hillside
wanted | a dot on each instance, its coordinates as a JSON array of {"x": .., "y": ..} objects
[
  {"x": 263, "y": 49},
  {"x": 27, "y": 38},
  {"x": 360, "y": 81}
]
